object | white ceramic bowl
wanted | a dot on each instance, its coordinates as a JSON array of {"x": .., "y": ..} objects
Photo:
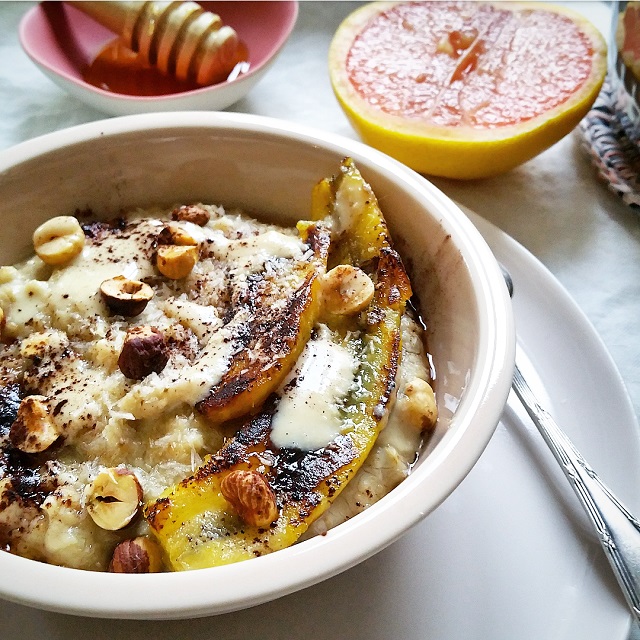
[
  {"x": 270, "y": 167},
  {"x": 62, "y": 42}
]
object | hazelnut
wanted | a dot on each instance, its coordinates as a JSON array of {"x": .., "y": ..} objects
[
  {"x": 58, "y": 240},
  {"x": 140, "y": 555},
  {"x": 191, "y": 213},
  {"x": 126, "y": 297},
  {"x": 417, "y": 404},
  {"x": 251, "y": 496},
  {"x": 144, "y": 351},
  {"x": 176, "y": 262},
  {"x": 177, "y": 252},
  {"x": 346, "y": 290},
  {"x": 176, "y": 234},
  {"x": 33, "y": 430},
  {"x": 114, "y": 498},
  {"x": 37, "y": 345}
]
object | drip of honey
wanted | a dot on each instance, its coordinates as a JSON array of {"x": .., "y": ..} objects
[{"x": 118, "y": 69}]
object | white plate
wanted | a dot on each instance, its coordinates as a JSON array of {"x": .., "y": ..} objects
[{"x": 508, "y": 555}]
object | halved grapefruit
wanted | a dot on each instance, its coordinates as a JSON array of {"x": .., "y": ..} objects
[
  {"x": 628, "y": 37},
  {"x": 465, "y": 89}
]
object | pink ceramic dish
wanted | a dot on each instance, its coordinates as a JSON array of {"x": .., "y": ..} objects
[{"x": 62, "y": 42}]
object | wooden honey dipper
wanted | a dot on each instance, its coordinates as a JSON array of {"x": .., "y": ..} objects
[{"x": 178, "y": 38}]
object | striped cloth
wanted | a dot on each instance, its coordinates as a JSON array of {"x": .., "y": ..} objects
[{"x": 613, "y": 141}]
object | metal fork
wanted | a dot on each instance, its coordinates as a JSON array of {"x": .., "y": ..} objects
[{"x": 617, "y": 528}]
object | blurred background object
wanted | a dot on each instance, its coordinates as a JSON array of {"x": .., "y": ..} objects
[{"x": 612, "y": 127}]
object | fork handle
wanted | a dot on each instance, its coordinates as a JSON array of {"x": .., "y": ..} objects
[{"x": 618, "y": 530}]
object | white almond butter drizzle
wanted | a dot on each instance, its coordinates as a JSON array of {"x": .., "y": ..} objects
[{"x": 308, "y": 415}]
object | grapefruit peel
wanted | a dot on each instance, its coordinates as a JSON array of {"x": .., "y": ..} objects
[{"x": 461, "y": 152}]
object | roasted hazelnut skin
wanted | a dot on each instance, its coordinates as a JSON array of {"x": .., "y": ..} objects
[
  {"x": 144, "y": 351},
  {"x": 140, "y": 555},
  {"x": 126, "y": 297},
  {"x": 250, "y": 495},
  {"x": 191, "y": 213}
]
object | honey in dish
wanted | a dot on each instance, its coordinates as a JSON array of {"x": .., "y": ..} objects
[{"x": 118, "y": 69}]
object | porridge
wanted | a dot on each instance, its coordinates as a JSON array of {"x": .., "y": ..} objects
[{"x": 190, "y": 386}]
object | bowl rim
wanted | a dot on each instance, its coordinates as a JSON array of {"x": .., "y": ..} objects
[
  {"x": 242, "y": 585},
  {"x": 114, "y": 97}
]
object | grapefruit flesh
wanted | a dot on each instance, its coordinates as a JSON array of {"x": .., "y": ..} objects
[
  {"x": 465, "y": 89},
  {"x": 628, "y": 37}
]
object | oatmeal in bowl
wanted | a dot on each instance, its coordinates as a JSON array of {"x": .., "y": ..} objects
[
  {"x": 227, "y": 367},
  {"x": 142, "y": 353}
]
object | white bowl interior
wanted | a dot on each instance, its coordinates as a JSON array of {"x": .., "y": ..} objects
[{"x": 268, "y": 168}]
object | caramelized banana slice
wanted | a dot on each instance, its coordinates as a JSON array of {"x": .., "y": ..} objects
[
  {"x": 295, "y": 477},
  {"x": 359, "y": 229},
  {"x": 273, "y": 337}
]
